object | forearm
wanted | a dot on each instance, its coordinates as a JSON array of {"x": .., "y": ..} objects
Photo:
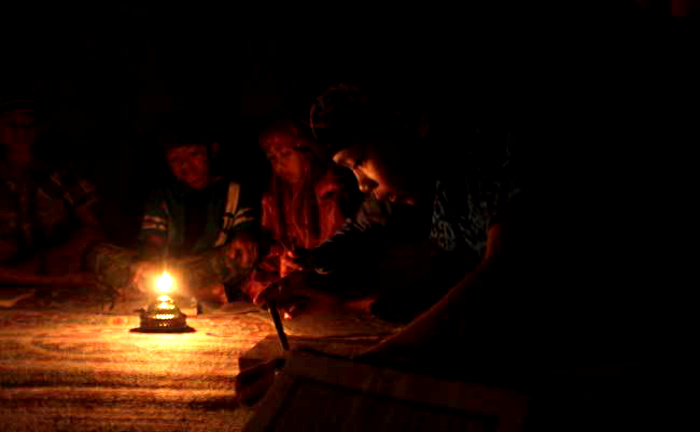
[
  {"x": 10, "y": 276},
  {"x": 113, "y": 266},
  {"x": 457, "y": 314}
]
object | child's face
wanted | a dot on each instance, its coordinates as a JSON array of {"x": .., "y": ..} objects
[
  {"x": 287, "y": 163},
  {"x": 377, "y": 171},
  {"x": 190, "y": 165}
]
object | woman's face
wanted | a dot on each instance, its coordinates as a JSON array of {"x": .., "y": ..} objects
[
  {"x": 190, "y": 165},
  {"x": 287, "y": 163},
  {"x": 377, "y": 171}
]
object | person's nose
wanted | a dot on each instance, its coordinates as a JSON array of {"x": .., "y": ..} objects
[
  {"x": 364, "y": 183},
  {"x": 186, "y": 168}
]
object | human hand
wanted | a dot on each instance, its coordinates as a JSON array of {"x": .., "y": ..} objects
[
  {"x": 295, "y": 260},
  {"x": 244, "y": 249},
  {"x": 253, "y": 289},
  {"x": 296, "y": 293},
  {"x": 145, "y": 273}
]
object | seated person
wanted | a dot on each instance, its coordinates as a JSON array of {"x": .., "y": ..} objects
[
  {"x": 47, "y": 217},
  {"x": 382, "y": 260},
  {"x": 474, "y": 206},
  {"x": 307, "y": 200},
  {"x": 200, "y": 225}
]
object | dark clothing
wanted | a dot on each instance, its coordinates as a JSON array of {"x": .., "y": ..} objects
[
  {"x": 196, "y": 221},
  {"x": 465, "y": 204},
  {"x": 39, "y": 211},
  {"x": 197, "y": 225}
]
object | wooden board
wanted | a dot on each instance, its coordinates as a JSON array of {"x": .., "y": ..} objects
[{"x": 314, "y": 393}]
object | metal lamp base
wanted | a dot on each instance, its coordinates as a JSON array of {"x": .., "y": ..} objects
[{"x": 163, "y": 316}]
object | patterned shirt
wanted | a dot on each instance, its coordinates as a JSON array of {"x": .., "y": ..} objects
[
  {"x": 39, "y": 210},
  {"x": 467, "y": 203},
  {"x": 468, "y": 199}
]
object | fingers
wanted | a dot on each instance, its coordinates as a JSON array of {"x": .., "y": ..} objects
[
  {"x": 254, "y": 289},
  {"x": 299, "y": 256},
  {"x": 293, "y": 294},
  {"x": 293, "y": 310},
  {"x": 144, "y": 270},
  {"x": 282, "y": 290},
  {"x": 288, "y": 266},
  {"x": 270, "y": 293}
]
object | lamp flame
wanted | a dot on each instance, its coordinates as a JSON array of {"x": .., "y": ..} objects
[{"x": 164, "y": 282}]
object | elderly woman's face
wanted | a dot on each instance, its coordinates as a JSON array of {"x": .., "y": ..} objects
[
  {"x": 377, "y": 171},
  {"x": 18, "y": 133},
  {"x": 287, "y": 163}
]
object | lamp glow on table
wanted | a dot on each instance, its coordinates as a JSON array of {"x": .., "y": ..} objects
[{"x": 163, "y": 315}]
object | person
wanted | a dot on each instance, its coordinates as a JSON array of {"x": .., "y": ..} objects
[
  {"x": 306, "y": 202},
  {"x": 476, "y": 208},
  {"x": 199, "y": 225},
  {"x": 47, "y": 213}
]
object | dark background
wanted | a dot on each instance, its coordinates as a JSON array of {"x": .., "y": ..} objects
[
  {"x": 107, "y": 74},
  {"x": 603, "y": 102},
  {"x": 597, "y": 100}
]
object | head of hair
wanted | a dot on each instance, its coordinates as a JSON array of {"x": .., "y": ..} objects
[
  {"x": 345, "y": 114},
  {"x": 300, "y": 136}
]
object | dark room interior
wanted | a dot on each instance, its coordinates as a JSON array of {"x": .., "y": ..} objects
[{"x": 601, "y": 106}]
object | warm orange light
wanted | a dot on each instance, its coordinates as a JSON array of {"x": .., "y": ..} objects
[{"x": 164, "y": 283}]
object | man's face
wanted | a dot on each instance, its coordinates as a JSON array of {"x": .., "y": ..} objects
[
  {"x": 190, "y": 165},
  {"x": 377, "y": 171},
  {"x": 18, "y": 133}
]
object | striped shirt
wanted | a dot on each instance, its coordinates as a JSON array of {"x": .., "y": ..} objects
[{"x": 212, "y": 216}]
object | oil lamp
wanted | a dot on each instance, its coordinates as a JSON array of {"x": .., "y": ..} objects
[{"x": 163, "y": 315}]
